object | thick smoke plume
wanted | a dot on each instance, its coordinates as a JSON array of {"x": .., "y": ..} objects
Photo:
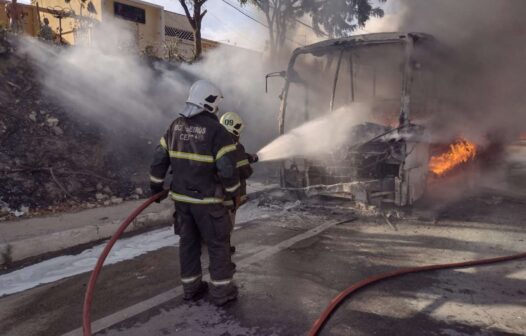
[
  {"x": 108, "y": 84},
  {"x": 482, "y": 66}
]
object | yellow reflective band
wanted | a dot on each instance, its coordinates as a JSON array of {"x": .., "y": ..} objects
[
  {"x": 192, "y": 156},
  {"x": 234, "y": 188},
  {"x": 242, "y": 163},
  {"x": 191, "y": 279},
  {"x": 225, "y": 150},
  {"x": 187, "y": 199},
  {"x": 163, "y": 143},
  {"x": 155, "y": 179},
  {"x": 221, "y": 282}
]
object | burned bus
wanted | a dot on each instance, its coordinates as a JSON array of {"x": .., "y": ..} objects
[{"x": 392, "y": 73}]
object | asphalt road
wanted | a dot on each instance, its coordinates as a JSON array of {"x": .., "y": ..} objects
[{"x": 292, "y": 264}]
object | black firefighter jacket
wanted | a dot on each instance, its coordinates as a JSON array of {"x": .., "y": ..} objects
[
  {"x": 203, "y": 159},
  {"x": 243, "y": 161}
]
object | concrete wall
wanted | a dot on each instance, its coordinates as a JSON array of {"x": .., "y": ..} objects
[
  {"x": 147, "y": 35},
  {"x": 183, "y": 47},
  {"x": 73, "y": 30}
]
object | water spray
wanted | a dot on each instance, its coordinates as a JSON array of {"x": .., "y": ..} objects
[{"x": 317, "y": 137}]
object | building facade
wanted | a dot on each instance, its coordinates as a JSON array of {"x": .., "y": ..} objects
[{"x": 151, "y": 29}]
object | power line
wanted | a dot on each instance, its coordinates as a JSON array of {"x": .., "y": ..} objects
[
  {"x": 245, "y": 14},
  {"x": 256, "y": 20}
]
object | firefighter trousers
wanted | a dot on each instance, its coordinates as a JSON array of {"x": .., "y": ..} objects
[{"x": 209, "y": 223}]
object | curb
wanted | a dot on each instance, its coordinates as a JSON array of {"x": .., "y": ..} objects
[{"x": 20, "y": 250}]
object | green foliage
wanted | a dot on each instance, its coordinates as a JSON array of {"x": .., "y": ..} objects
[
  {"x": 340, "y": 17},
  {"x": 335, "y": 18}
]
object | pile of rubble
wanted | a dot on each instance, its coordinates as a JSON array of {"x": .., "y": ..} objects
[{"x": 51, "y": 162}]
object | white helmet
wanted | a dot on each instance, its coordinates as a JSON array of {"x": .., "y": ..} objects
[
  {"x": 233, "y": 123},
  {"x": 205, "y": 95}
]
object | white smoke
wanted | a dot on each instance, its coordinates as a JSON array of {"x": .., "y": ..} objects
[
  {"x": 480, "y": 66},
  {"x": 109, "y": 84}
]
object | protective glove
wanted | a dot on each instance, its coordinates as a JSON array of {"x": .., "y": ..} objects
[
  {"x": 156, "y": 188},
  {"x": 253, "y": 158}
]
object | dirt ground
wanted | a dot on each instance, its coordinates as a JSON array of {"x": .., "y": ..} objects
[{"x": 291, "y": 265}]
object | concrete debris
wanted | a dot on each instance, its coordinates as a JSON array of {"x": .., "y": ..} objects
[
  {"x": 57, "y": 130},
  {"x": 116, "y": 200},
  {"x": 100, "y": 196},
  {"x": 52, "y": 122},
  {"x": 33, "y": 116}
]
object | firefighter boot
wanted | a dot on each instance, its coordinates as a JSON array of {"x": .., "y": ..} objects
[
  {"x": 195, "y": 290},
  {"x": 222, "y": 294}
]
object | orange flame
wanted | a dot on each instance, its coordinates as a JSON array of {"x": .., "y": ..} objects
[{"x": 460, "y": 152}]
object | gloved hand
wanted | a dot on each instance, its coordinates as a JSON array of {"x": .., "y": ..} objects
[
  {"x": 156, "y": 188},
  {"x": 253, "y": 158}
]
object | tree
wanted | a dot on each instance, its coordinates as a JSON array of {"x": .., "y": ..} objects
[
  {"x": 334, "y": 18},
  {"x": 340, "y": 18},
  {"x": 195, "y": 21},
  {"x": 278, "y": 21}
]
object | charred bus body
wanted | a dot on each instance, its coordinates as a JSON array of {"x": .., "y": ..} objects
[{"x": 391, "y": 73}]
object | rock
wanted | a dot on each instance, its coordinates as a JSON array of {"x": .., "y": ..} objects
[
  {"x": 90, "y": 205},
  {"x": 99, "y": 186},
  {"x": 33, "y": 116},
  {"x": 24, "y": 210},
  {"x": 3, "y": 128},
  {"x": 52, "y": 122},
  {"x": 116, "y": 200},
  {"x": 4, "y": 208},
  {"x": 57, "y": 130},
  {"x": 133, "y": 197},
  {"x": 73, "y": 186},
  {"x": 106, "y": 203},
  {"x": 100, "y": 196},
  {"x": 3, "y": 50},
  {"x": 107, "y": 190},
  {"x": 139, "y": 191},
  {"x": 53, "y": 191}
]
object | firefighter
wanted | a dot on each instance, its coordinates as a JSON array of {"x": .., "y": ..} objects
[
  {"x": 235, "y": 125},
  {"x": 201, "y": 154}
]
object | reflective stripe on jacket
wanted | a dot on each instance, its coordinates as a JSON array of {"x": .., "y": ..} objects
[{"x": 202, "y": 156}]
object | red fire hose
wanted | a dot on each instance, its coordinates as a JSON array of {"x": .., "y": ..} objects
[
  {"x": 340, "y": 298},
  {"x": 88, "y": 298},
  {"x": 320, "y": 322}
]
